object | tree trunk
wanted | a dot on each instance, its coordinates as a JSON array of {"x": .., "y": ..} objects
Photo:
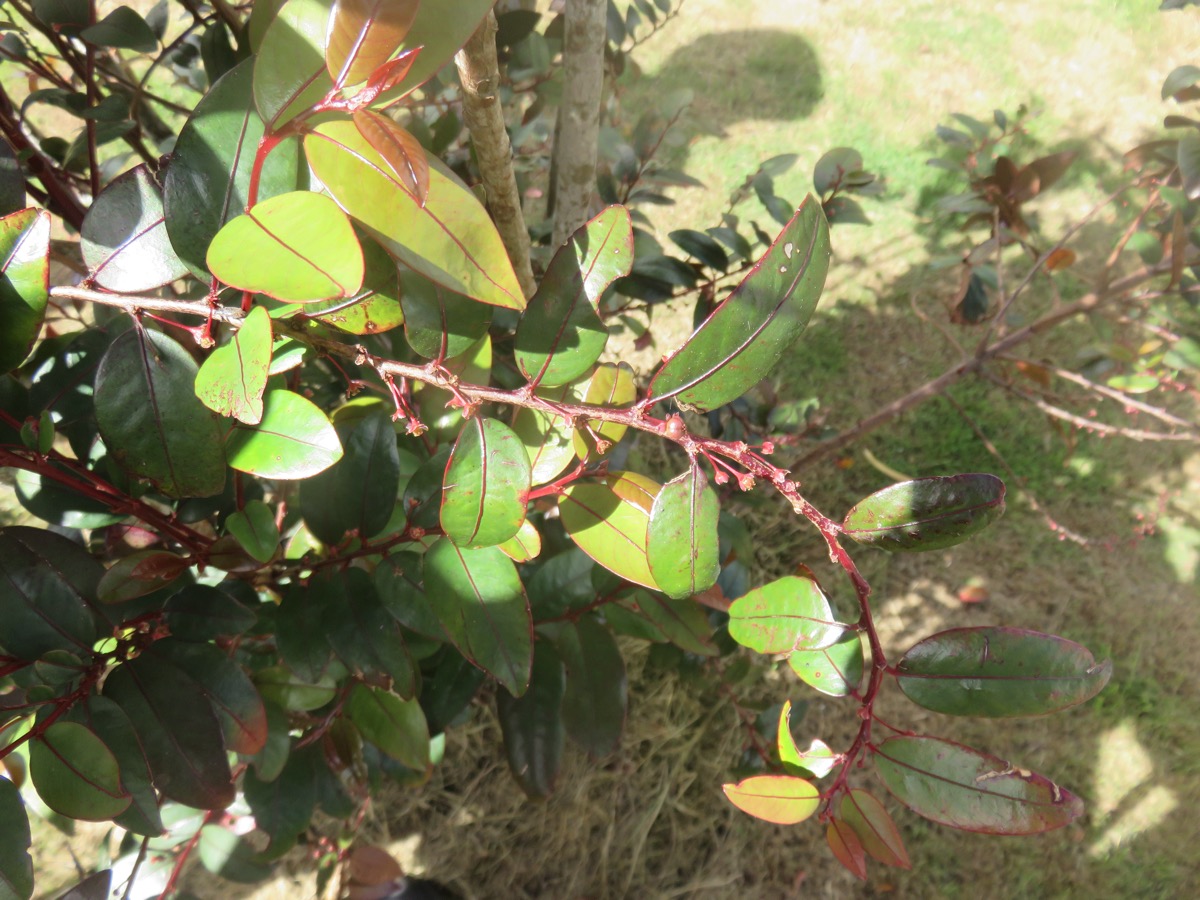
[
  {"x": 479, "y": 73},
  {"x": 579, "y": 116}
]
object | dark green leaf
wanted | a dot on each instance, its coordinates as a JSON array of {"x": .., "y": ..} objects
[
  {"x": 124, "y": 238},
  {"x": 254, "y": 528},
  {"x": 123, "y": 28},
  {"x": 289, "y": 68},
  {"x": 927, "y": 513},
  {"x": 682, "y": 622},
  {"x": 279, "y": 685},
  {"x": 486, "y": 485},
  {"x": 561, "y": 335},
  {"x": 284, "y": 806},
  {"x": 596, "y": 696},
  {"x": 226, "y": 687},
  {"x": 609, "y": 520},
  {"x": 996, "y": 671},
  {"x": 94, "y": 887},
  {"x": 481, "y": 603},
  {"x": 681, "y": 546},
  {"x": 439, "y": 323},
  {"x": 701, "y": 246},
  {"x": 363, "y": 34},
  {"x": 293, "y": 440},
  {"x": 836, "y": 670},
  {"x": 202, "y": 613},
  {"x": 299, "y": 628},
  {"x": 790, "y": 613},
  {"x": 844, "y": 211},
  {"x": 270, "y": 760},
  {"x": 832, "y": 168},
  {"x": 533, "y": 726},
  {"x": 150, "y": 419},
  {"x": 232, "y": 380},
  {"x": 75, "y": 774},
  {"x": 963, "y": 788},
  {"x": 217, "y": 52},
  {"x": 24, "y": 282},
  {"x": 12, "y": 182},
  {"x": 57, "y": 504},
  {"x": 1189, "y": 163},
  {"x": 230, "y": 856},
  {"x": 449, "y": 689},
  {"x": 394, "y": 725},
  {"x": 741, "y": 342},
  {"x": 398, "y": 581},
  {"x": 423, "y": 493},
  {"x": 16, "y": 865},
  {"x": 365, "y": 636}
]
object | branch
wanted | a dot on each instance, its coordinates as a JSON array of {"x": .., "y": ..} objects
[{"x": 479, "y": 72}]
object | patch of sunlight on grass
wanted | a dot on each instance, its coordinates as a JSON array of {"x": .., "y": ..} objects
[
  {"x": 1082, "y": 466},
  {"x": 1123, "y": 766},
  {"x": 1182, "y": 552}
]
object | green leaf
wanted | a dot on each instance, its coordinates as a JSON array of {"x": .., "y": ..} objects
[
  {"x": 289, "y": 68},
  {"x": 363, "y": 34},
  {"x": 560, "y": 335},
  {"x": 357, "y": 493},
  {"x": 123, "y": 28},
  {"x": 954, "y": 785},
  {"x": 394, "y": 725},
  {"x": 1180, "y": 78},
  {"x": 439, "y": 37},
  {"x": 611, "y": 385},
  {"x": 525, "y": 545},
  {"x": 299, "y": 624},
  {"x": 790, "y": 613},
  {"x": 16, "y": 865},
  {"x": 365, "y": 636},
  {"x": 254, "y": 528},
  {"x": 398, "y": 581},
  {"x": 450, "y": 239},
  {"x": 55, "y": 503},
  {"x": 279, "y": 685},
  {"x": 748, "y": 334},
  {"x": 297, "y": 247},
  {"x": 207, "y": 183},
  {"x": 75, "y": 774},
  {"x": 12, "y": 182},
  {"x": 151, "y": 421},
  {"x": 284, "y": 806},
  {"x": 874, "y": 828},
  {"x": 226, "y": 687},
  {"x": 24, "y": 282},
  {"x": 997, "y": 671},
  {"x": 376, "y": 307},
  {"x": 486, "y": 485},
  {"x": 609, "y": 520},
  {"x": 836, "y": 670},
  {"x": 782, "y": 799},
  {"x": 47, "y": 591},
  {"x": 681, "y": 545},
  {"x": 270, "y": 760},
  {"x": 702, "y": 246},
  {"x": 682, "y": 622},
  {"x": 595, "y": 700},
  {"x": 832, "y": 168},
  {"x": 140, "y": 573},
  {"x": 481, "y": 603},
  {"x": 532, "y": 725},
  {"x": 203, "y": 613},
  {"x": 548, "y": 438},
  {"x": 293, "y": 440},
  {"x": 124, "y": 238},
  {"x": 439, "y": 323},
  {"x": 423, "y": 493},
  {"x": 1189, "y": 163},
  {"x": 448, "y": 689},
  {"x": 230, "y": 856},
  {"x": 232, "y": 380},
  {"x": 177, "y": 728},
  {"x": 927, "y": 513}
]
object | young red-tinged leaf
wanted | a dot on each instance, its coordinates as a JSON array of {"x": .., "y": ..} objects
[
  {"x": 24, "y": 282},
  {"x": 561, "y": 335},
  {"x": 739, "y": 344},
  {"x": 150, "y": 419},
  {"x": 289, "y": 68},
  {"x": 681, "y": 544},
  {"x": 363, "y": 34},
  {"x": 47, "y": 592},
  {"x": 525, "y": 545},
  {"x": 75, "y": 774},
  {"x": 254, "y": 528},
  {"x": 611, "y": 385},
  {"x": 394, "y": 725},
  {"x": 532, "y": 724},
  {"x": 297, "y": 247},
  {"x": 926, "y": 513},
  {"x": 232, "y": 380},
  {"x": 207, "y": 182},
  {"x": 790, "y": 613},
  {"x": 846, "y": 847},
  {"x": 387, "y": 77},
  {"x": 782, "y": 799},
  {"x": 376, "y": 307},
  {"x": 401, "y": 151},
  {"x": 609, "y": 519},
  {"x": 226, "y": 687},
  {"x": 836, "y": 670},
  {"x": 596, "y": 698},
  {"x": 997, "y": 671},
  {"x": 682, "y": 622},
  {"x": 480, "y": 601},
  {"x": 293, "y": 440},
  {"x": 430, "y": 238},
  {"x": 875, "y": 829},
  {"x": 124, "y": 237},
  {"x": 16, "y": 865},
  {"x": 486, "y": 488},
  {"x": 957, "y": 786},
  {"x": 139, "y": 574}
]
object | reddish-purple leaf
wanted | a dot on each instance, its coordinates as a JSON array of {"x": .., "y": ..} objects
[
  {"x": 782, "y": 799},
  {"x": 400, "y": 150},
  {"x": 874, "y": 828},
  {"x": 846, "y": 847},
  {"x": 387, "y": 77},
  {"x": 363, "y": 34}
]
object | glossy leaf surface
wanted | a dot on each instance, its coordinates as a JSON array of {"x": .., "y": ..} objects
[
  {"x": 561, "y": 335},
  {"x": 782, "y": 799},
  {"x": 963, "y": 788},
  {"x": 124, "y": 238},
  {"x": 596, "y": 697},
  {"x": 394, "y": 725},
  {"x": 375, "y": 307},
  {"x": 298, "y": 247},
  {"x": 996, "y": 671},
  {"x": 790, "y": 613},
  {"x": 609, "y": 520},
  {"x": 449, "y": 239},
  {"x": 401, "y": 151},
  {"x": 293, "y": 440},
  {"x": 743, "y": 339},
  {"x": 16, "y": 865},
  {"x": 289, "y": 68},
  {"x": 874, "y": 828},
  {"x": 151, "y": 421},
  {"x": 75, "y": 774},
  {"x": 480, "y": 601},
  {"x": 532, "y": 724},
  {"x": 836, "y": 670},
  {"x": 486, "y": 486},
  {"x": 682, "y": 545},
  {"x": 363, "y": 34},
  {"x": 232, "y": 380},
  {"x": 24, "y": 282},
  {"x": 926, "y": 513}
]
